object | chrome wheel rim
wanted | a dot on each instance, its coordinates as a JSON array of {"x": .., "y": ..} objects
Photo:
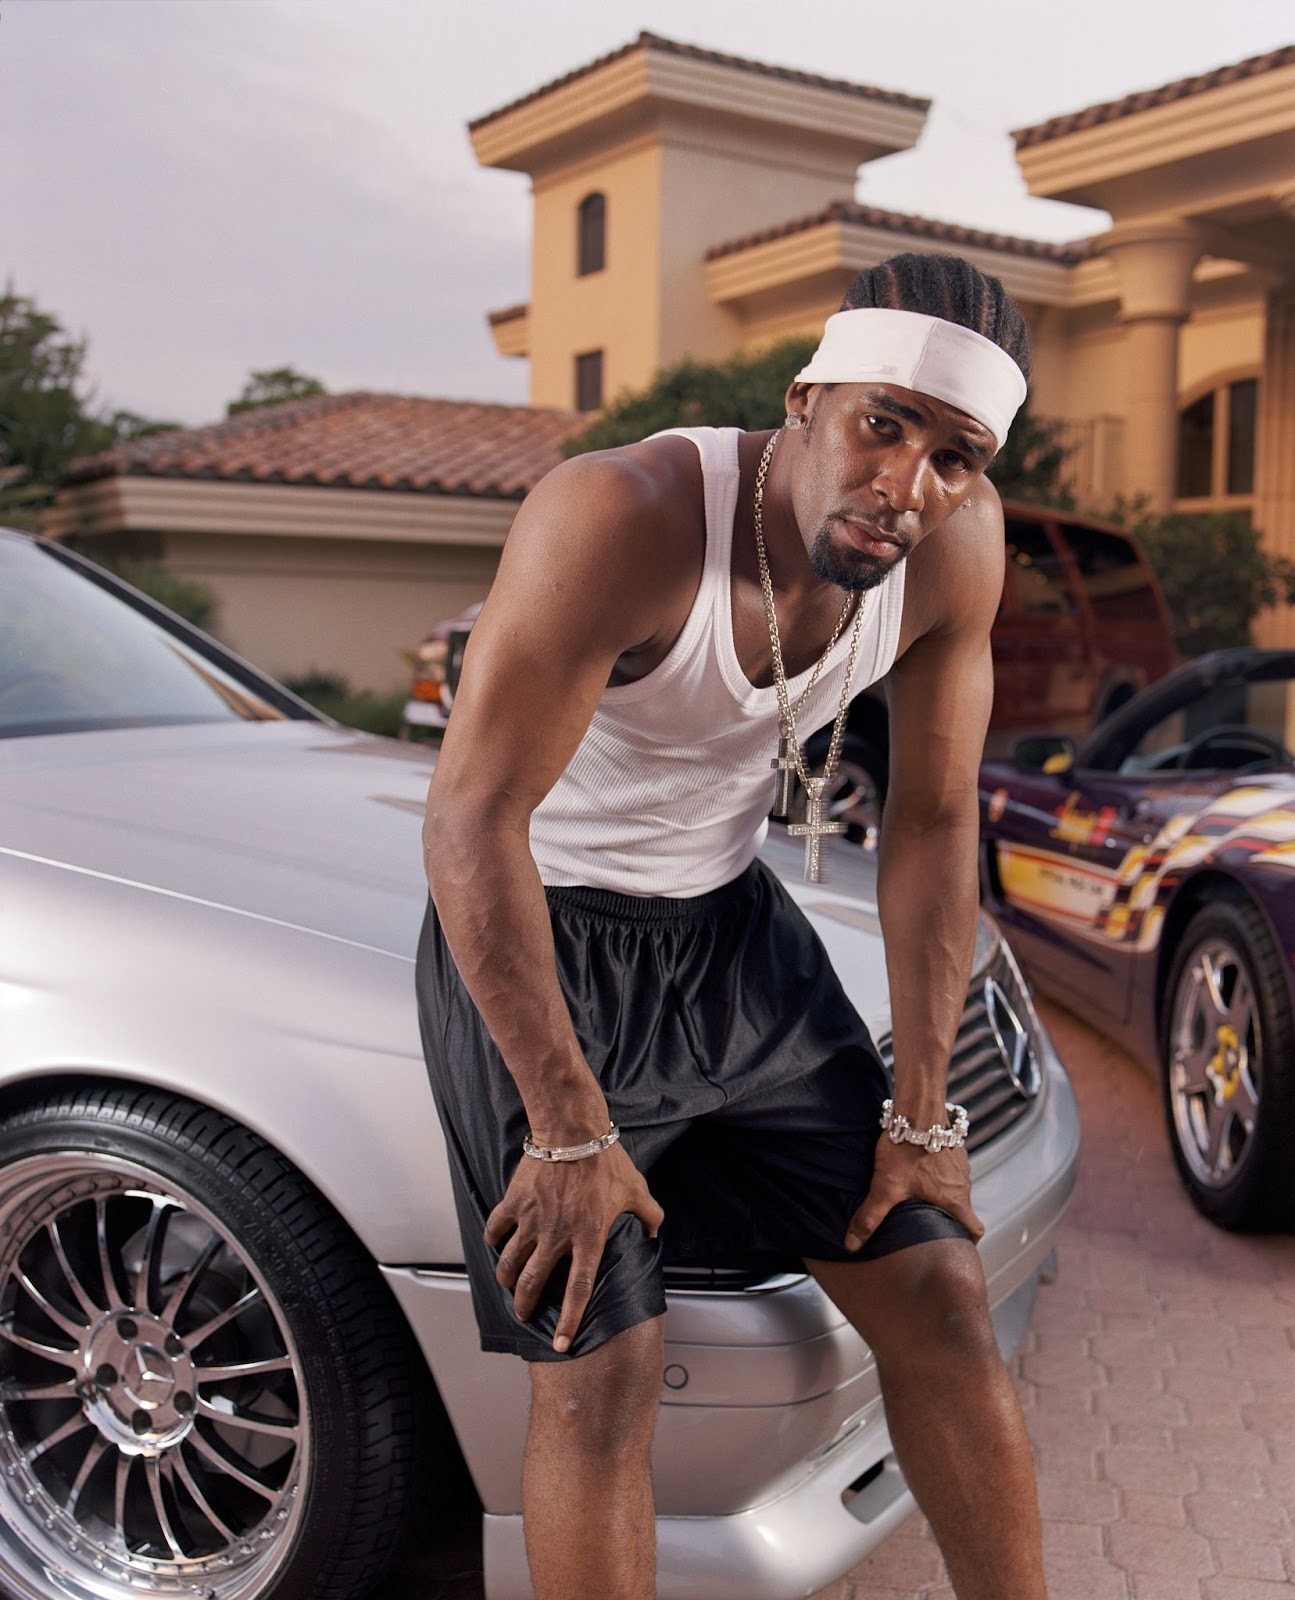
[
  {"x": 154, "y": 1428},
  {"x": 1215, "y": 1063}
]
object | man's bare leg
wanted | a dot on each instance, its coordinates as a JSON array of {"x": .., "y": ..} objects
[
  {"x": 587, "y": 1483},
  {"x": 952, "y": 1411}
]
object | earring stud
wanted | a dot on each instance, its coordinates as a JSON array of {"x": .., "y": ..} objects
[{"x": 794, "y": 420}]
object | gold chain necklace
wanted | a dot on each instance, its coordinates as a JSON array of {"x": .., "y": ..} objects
[{"x": 791, "y": 758}]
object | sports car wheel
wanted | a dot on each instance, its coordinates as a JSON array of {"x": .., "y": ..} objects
[
  {"x": 1229, "y": 1047},
  {"x": 204, "y": 1387}
]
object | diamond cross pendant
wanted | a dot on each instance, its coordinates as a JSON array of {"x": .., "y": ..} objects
[
  {"x": 784, "y": 765},
  {"x": 814, "y": 829}
]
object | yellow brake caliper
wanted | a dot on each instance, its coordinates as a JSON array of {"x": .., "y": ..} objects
[{"x": 1224, "y": 1070}]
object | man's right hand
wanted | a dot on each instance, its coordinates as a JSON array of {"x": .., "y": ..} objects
[{"x": 558, "y": 1209}]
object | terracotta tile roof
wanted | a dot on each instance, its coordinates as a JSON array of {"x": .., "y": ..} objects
[
  {"x": 1147, "y": 99},
  {"x": 692, "y": 52},
  {"x": 913, "y": 227},
  {"x": 358, "y": 441}
]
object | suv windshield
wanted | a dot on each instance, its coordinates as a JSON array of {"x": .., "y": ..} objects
[{"x": 75, "y": 657}]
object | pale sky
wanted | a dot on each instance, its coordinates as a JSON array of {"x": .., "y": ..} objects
[{"x": 201, "y": 187}]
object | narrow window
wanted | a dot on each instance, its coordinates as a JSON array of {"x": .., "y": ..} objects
[
  {"x": 1216, "y": 443},
  {"x": 1196, "y": 448},
  {"x": 1241, "y": 436},
  {"x": 589, "y": 381},
  {"x": 591, "y": 235}
]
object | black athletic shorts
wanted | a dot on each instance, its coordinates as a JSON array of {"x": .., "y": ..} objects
[{"x": 744, "y": 1083}]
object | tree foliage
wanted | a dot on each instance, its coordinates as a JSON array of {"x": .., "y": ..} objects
[
  {"x": 47, "y": 411},
  {"x": 1216, "y": 575},
  {"x": 746, "y": 391},
  {"x": 273, "y": 385},
  {"x": 45, "y": 418},
  {"x": 1031, "y": 465}
]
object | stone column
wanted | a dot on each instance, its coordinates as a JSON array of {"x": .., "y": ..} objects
[
  {"x": 1275, "y": 463},
  {"x": 1153, "y": 263}
]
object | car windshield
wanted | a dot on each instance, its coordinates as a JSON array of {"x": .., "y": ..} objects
[
  {"x": 74, "y": 657},
  {"x": 1228, "y": 725}
]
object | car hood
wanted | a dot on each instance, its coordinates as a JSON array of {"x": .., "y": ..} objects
[
  {"x": 311, "y": 826},
  {"x": 299, "y": 822}
]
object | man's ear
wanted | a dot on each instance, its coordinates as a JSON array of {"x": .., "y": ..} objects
[{"x": 799, "y": 399}]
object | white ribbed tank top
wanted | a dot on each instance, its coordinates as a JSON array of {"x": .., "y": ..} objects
[{"x": 670, "y": 788}]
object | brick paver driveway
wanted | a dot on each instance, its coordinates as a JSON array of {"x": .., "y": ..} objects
[{"x": 1158, "y": 1380}]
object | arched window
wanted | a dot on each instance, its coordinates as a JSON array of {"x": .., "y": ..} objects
[
  {"x": 1216, "y": 443},
  {"x": 591, "y": 235}
]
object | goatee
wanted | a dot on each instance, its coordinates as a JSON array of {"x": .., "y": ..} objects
[{"x": 848, "y": 568}]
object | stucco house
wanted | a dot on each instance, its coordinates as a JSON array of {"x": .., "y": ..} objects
[
  {"x": 333, "y": 532},
  {"x": 688, "y": 202}
]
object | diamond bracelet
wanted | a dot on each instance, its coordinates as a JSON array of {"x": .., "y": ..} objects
[
  {"x": 571, "y": 1152},
  {"x": 933, "y": 1139}
]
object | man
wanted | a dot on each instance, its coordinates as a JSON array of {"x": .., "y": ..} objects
[{"x": 636, "y": 1043}]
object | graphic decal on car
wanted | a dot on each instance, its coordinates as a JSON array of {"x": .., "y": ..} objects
[
  {"x": 1125, "y": 904},
  {"x": 1074, "y": 826}
]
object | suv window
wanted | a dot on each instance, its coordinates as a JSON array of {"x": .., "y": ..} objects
[
  {"x": 1038, "y": 573},
  {"x": 1114, "y": 578}
]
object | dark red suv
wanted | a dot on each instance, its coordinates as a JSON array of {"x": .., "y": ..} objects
[{"x": 1081, "y": 627}]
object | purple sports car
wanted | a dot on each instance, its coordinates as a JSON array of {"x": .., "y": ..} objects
[{"x": 1147, "y": 879}]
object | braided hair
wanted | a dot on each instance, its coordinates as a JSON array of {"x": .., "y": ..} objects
[{"x": 945, "y": 286}]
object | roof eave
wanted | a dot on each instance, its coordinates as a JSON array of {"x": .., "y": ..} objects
[
  {"x": 1078, "y": 164},
  {"x": 618, "y": 94},
  {"x": 836, "y": 242}
]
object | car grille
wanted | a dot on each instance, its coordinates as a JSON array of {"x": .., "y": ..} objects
[
  {"x": 988, "y": 1048},
  {"x": 995, "y": 1072}
]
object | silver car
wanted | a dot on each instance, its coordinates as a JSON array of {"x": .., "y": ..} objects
[{"x": 231, "y": 1300}]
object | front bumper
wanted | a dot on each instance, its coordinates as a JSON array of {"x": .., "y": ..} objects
[{"x": 772, "y": 1465}]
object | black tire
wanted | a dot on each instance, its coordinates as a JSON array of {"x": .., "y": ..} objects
[
  {"x": 137, "y": 1190},
  {"x": 1228, "y": 1054},
  {"x": 858, "y": 792}
]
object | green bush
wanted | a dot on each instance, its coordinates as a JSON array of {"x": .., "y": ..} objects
[
  {"x": 331, "y": 694},
  {"x": 1216, "y": 574},
  {"x": 185, "y": 596}
]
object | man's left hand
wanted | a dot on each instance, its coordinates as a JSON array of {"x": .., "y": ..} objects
[{"x": 907, "y": 1172}]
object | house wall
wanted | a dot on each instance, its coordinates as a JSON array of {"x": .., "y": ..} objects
[
  {"x": 348, "y": 607},
  {"x": 617, "y": 310},
  {"x": 305, "y": 578},
  {"x": 1224, "y": 337}
]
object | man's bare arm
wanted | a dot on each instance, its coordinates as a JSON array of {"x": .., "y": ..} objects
[
  {"x": 941, "y": 690},
  {"x": 590, "y": 570}
]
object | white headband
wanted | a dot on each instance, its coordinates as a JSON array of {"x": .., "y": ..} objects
[{"x": 926, "y": 354}]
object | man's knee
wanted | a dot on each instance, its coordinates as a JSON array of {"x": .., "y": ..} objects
[
  {"x": 941, "y": 1309},
  {"x": 602, "y": 1405},
  {"x": 925, "y": 1306}
]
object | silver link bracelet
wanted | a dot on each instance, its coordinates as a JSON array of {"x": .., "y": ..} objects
[
  {"x": 933, "y": 1139},
  {"x": 571, "y": 1152}
]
